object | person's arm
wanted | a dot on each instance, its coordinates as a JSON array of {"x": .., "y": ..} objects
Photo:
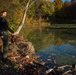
[{"x": 10, "y": 29}]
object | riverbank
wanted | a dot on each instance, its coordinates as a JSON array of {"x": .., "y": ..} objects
[
  {"x": 22, "y": 61},
  {"x": 63, "y": 26},
  {"x": 50, "y": 25}
]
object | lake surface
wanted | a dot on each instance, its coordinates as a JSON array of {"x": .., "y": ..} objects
[{"x": 54, "y": 46}]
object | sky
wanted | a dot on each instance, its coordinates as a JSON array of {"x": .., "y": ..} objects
[{"x": 63, "y": 0}]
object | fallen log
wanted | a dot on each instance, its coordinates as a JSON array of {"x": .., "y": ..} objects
[
  {"x": 65, "y": 73},
  {"x": 48, "y": 71},
  {"x": 39, "y": 63},
  {"x": 55, "y": 68},
  {"x": 64, "y": 66}
]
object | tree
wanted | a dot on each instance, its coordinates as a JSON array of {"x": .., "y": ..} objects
[
  {"x": 14, "y": 9},
  {"x": 44, "y": 9},
  {"x": 23, "y": 19},
  {"x": 58, "y": 4},
  {"x": 66, "y": 3}
]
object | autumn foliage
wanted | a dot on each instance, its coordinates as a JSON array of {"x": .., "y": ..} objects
[{"x": 39, "y": 11}]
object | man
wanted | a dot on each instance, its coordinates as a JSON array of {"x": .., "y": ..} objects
[{"x": 4, "y": 35}]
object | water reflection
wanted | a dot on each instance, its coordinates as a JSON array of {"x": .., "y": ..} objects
[
  {"x": 55, "y": 46},
  {"x": 58, "y": 55}
]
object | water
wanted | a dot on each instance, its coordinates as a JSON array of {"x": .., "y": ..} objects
[{"x": 54, "y": 46}]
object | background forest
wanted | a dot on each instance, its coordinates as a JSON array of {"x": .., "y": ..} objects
[{"x": 42, "y": 11}]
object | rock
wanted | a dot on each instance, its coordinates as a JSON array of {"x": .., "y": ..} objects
[{"x": 20, "y": 47}]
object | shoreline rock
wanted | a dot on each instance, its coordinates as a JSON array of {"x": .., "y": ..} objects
[{"x": 22, "y": 50}]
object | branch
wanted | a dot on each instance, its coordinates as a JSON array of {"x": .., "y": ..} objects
[
  {"x": 30, "y": 5},
  {"x": 67, "y": 72}
]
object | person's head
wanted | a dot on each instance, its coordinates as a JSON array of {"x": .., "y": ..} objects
[{"x": 3, "y": 13}]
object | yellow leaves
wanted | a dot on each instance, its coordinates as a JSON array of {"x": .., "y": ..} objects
[
  {"x": 58, "y": 4},
  {"x": 31, "y": 21},
  {"x": 15, "y": 1}
]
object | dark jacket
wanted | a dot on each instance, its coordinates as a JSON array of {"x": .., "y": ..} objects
[{"x": 4, "y": 25}]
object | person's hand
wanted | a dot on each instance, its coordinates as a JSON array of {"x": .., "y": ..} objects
[
  {"x": 1, "y": 36},
  {"x": 16, "y": 33}
]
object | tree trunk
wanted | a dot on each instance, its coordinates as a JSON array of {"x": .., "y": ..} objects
[{"x": 23, "y": 19}]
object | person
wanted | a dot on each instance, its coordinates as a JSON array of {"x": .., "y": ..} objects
[{"x": 4, "y": 35}]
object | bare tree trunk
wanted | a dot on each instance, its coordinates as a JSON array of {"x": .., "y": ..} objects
[
  {"x": 23, "y": 19},
  {"x": 24, "y": 16}
]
